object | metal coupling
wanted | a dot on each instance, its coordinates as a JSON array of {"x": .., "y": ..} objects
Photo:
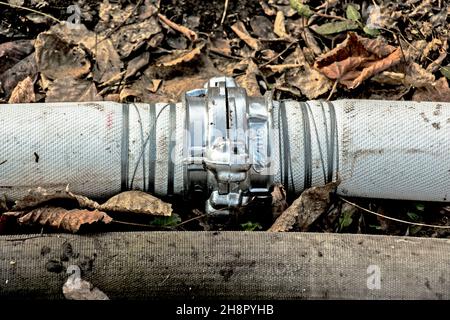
[{"x": 227, "y": 146}]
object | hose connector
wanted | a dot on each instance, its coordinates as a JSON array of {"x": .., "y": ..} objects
[{"x": 227, "y": 151}]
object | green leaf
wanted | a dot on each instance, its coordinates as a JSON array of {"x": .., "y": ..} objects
[
  {"x": 372, "y": 32},
  {"x": 414, "y": 229},
  {"x": 413, "y": 216},
  {"x": 171, "y": 221},
  {"x": 336, "y": 27},
  {"x": 445, "y": 71},
  {"x": 302, "y": 9},
  {"x": 352, "y": 13},
  {"x": 345, "y": 220},
  {"x": 420, "y": 207},
  {"x": 251, "y": 226}
]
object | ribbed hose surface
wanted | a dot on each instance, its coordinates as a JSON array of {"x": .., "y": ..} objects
[
  {"x": 385, "y": 149},
  {"x": 96, "y": 148}
]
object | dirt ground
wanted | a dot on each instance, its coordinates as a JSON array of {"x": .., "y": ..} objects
[{"x": 153, "y": 51}]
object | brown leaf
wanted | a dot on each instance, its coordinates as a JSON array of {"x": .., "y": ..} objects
[
  {"x": 242, "y": 33},
  {"x": 437, "y": 91},
  {"x": 262, "y": 27},
  {"x": 59, "y": 218},
  {"x": 137, "y": 202},
  {"x": 311, "y": 42},
  {"x": 357, "y": 59},
  {"x": 129, "y": 28},
  {"x": 107, "y": 60},
  {"x": 301, "y": 75},
  {"x": 39, "y": 196},
  {"x": 191, "y": 35},
  {"x": 128, "y": 94},
  {"x": 55, "y": 58},
  {"x": 156, "y": 83},
  {"x": 267, "y": 9},
  {"x": 305, "y": 210},
  {"x": 134, "y": 36},
  {"x": 14, "y": 51},
  {"x": 172, "y": 90},
  {"x": 249, "y": 81},
  {"x": 72, "y": 90},
  {"x": 23, "y": 92},
  {"x": 413, "y": 75},
  {"x": 432, "y": 67},
  {"x": 279, "y": 203},
  {"x": 11, "y": 77},
  {"x": 137, "y": 64},
  {"x": 180, "y": 57},
  {"x": 279, "y": 28},
  {"x": 221, "y": 46}
]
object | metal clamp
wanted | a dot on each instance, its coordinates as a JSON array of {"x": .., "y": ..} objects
[{"x": 227, "y": 150}]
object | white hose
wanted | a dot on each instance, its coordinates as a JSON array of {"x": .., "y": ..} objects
[
  {"x": 379, "y": 149},
  {"x": 386, "y": 149},
  {"x": 82, "y": 145}
]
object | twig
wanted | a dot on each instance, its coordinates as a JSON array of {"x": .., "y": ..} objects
[
  {"x": 31, "y": 10},
  {"x": 333, "y": 89},
  {"x": 189, "y": 220},
  {"x": 330, "y": 16},
  {"x": 224, "y": 12},
  {"x": 188, "y": 33},
  {"x": 36, "y": 237},
  {"x": 395, "y": 219},
  {"x": 133, "y": 224},
  {"x": 278, "y": 55}
]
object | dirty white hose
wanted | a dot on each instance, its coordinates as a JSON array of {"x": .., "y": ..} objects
[
  {"x": 98, "y": 149},
  {"x": 379, "y": 149},
  {"x": 386, "y": 149}
]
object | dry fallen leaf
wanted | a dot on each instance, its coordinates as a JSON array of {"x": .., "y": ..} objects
[
  {"x": 60, "y": 218},
  {"x": 413, "y": 75},
  {"x": 137, "y": 202},
  {"x": 14, "y": 51},
  {"x": 72, "y": 90},
  {"x": 311, "y": 204},
  {"x": 437, "y": 91},
  {"x": 302, "y": 76},
  {"x": 128, "y": 201},
  {"x": 242, "y": 33},
  {"x": 172, "y": 90},
  {"x": 279, "y": 203},
  {"x": 128, "y": 28},
  {"x": 156, "y": 83},
  {"x": 134, "y": 36},
  {"x": 248, "y": 81},
  {"x": 40, "y": 195},
  {"x": 262, "y": 27},
  {"x": 107, "y": 60},
  {"x": 56, "y": 58},
  {"x": 221, "y": 46},
  {"x": 279, "y": 28},
  {"x": 357, "y": 59},
  {"x": 23, "y": 92},
  {"x": 11, "y": 77},
  {"x": 137, "y": 64}
]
